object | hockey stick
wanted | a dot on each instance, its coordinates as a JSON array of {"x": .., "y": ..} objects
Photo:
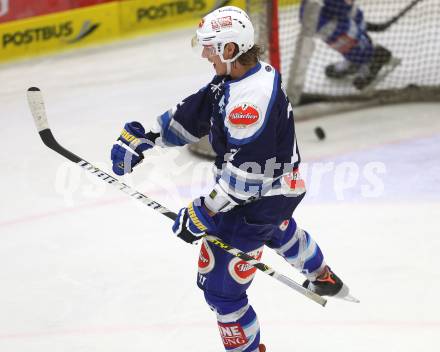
[
  {"x": 36, "y": 105},
  {"x": 381, "y": 27}
]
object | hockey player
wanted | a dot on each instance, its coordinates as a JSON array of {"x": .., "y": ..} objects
[
  {"x": 250, "y": 122},
  {"x": 341, "y": 24}
]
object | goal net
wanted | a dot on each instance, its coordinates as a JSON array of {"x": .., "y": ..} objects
[{"x": 414, "y": 39}]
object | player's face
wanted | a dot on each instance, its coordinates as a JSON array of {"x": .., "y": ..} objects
[
  {"x": 210, "y": 54},
  {"x": 219, "y": 66},
  {"x": 208, "y": 51}
]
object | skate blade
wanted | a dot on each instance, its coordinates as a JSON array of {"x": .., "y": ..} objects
[
  {"x": 350, "y": 298},
  {"x": 345, "y": 295}
]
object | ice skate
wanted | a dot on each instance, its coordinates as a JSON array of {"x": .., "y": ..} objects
[
  {"x": 382, "y": 63},
  {"x": 329, "y": 284},
  {"x": 341, "y": 70}
]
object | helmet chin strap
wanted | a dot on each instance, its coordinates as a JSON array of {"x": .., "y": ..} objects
[
  {"x": 229, "y": 62},
  {"x": 228, "y": 68}
]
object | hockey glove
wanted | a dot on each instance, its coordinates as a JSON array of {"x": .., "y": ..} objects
[
  {"x": 133, "y": 142},
  {"x": 193, "y": 222}
]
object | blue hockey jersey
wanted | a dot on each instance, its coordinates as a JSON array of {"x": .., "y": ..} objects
[{"x": 251, "y": 128}]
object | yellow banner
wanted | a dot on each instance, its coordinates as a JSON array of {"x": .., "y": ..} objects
[
  {"x": 157, "y": 15},
  {"x": 60, "y": 31},
  {"x": 101, "y": 23},
  {"x": 288, "y": 2}
]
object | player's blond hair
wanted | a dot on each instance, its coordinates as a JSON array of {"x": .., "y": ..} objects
[{"x": 250, "y": 57}]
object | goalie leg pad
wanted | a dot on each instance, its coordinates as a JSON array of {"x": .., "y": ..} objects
[
  {"x": 341, "y": 25},
  {"x": 349, "y": 38},
  {"x": 237, "y": 323}
]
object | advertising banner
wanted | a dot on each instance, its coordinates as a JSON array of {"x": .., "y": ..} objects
[
  {"x": 157, "y": 15},
  {"x": 11, "y": 10},
  {"x": 108, "y": 21},
  {"x": 60, "y": 31},
  {"x": 83, "y": 3}
]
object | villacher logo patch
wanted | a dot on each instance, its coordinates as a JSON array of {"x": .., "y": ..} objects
[
  {"x": 241, "y": 271},
  {"x": 244, "y": 115}
]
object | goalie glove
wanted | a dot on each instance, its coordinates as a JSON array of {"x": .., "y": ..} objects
[
  {"x": 133, "y": 142},
  {"x": 193, "y": 222}
]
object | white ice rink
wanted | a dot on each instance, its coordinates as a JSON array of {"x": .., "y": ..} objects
[{"x": 83, "y": 268}]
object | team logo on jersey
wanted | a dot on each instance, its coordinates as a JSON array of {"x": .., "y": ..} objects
[
  {"x": 241, "y": 271},
  {"x": 244, "y": 115},
  {"x": 206, "y": 259},
  {"x": 232, "y": 335},
  {"x": 222, "y": 22}
]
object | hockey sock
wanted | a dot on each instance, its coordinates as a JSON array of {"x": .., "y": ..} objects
[
  {"x": 300, "y": 250},
  {"x": 237, "y": 322},
  {"x": 240, "y": 334}
]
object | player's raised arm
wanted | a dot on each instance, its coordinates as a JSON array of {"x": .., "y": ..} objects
[{"x": 185, "y": 123}]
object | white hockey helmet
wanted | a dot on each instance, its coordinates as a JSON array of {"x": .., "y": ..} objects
[{"x": 228, "y": 24}]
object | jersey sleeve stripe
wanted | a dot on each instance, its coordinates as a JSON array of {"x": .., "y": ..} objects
[
  {"x": 172, "y": 132},
  {"x": 233, "y": 192}
]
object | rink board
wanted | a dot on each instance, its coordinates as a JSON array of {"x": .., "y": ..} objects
[
  {"x": 147, "y": 16},
  {"x": 94, "y": 25},
  {"x": 66, "y": 30}
]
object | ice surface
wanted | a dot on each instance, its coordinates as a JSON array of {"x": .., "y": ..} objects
[{"x": 83, "y": 268}]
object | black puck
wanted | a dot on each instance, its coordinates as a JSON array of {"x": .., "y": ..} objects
[{"x": 320, "y": 133}]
